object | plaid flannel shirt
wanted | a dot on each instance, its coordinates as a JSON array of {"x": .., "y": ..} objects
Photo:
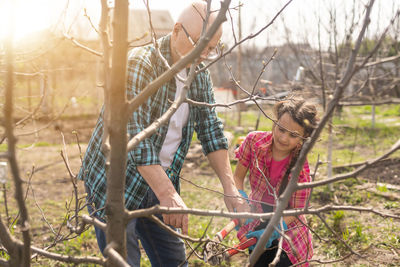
[
  {"x": 256, "y": 150},
  {"x": 144, "y": 66}
]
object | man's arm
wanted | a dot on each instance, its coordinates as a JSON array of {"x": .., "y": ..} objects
[
  {"x": 219, "y": 161},
  {"x": 163, "y": 188}
]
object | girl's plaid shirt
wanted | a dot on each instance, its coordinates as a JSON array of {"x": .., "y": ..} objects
[
  {"x": 144, "y": 66},
  {"x": 255, "y": 153}
]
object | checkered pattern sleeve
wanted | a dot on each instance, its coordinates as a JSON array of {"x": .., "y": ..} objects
[
  {"x": 208, "y": 127},
  {"x": 140, "y": 73}
]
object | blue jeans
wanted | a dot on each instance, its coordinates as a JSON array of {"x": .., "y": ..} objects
[{"x": 162, "y": 248}]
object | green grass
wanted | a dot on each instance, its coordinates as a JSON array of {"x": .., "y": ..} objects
[
  {"x": 4, "y": 147},
  {"x": 248, "y": 121},
  {"x": 358, "y": 230},
  {"x": 382, "y": 232},
  {"x": 195, "y": 197},
  {"x": 354, "y": 140},
  {"x": 382, "y": 110}
]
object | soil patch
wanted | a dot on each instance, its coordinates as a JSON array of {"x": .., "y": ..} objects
[{"x": 385, "y": 171}]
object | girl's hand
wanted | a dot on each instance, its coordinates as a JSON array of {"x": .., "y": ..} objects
[
  {"x": 257, "y": 234},
  {"x": 237, "y": 227},
  {"x": 244, "y": 195},
  {"x": 242, "y": 222}
]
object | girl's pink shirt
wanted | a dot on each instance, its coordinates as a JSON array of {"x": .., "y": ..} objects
[
  {"x": 255, "y": 153},
  {"x": 275, "y": 174}
]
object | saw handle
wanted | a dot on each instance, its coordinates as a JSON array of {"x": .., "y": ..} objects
[
  {"x": 244, "y": 243},
  {"x": 227, "y": 229}
]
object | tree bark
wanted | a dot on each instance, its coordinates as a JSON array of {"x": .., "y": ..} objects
[{"x": 115, "y": 204}]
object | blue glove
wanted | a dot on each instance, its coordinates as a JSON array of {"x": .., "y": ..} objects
[
  {"x": 257, "y": 234},
  {"x": 237, "y": 227},
  {"x": 247, "y": 199},
  {"x": 244, "y": 195}
]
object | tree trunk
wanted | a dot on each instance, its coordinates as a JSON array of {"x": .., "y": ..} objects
[
  {"x": 115, "y": 205},
  {"x": 21, "y": 255}
]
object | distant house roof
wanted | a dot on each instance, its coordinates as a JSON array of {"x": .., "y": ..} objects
[
  {"x": 139, "y": 26},
  {"x": 138, "y": 29}
]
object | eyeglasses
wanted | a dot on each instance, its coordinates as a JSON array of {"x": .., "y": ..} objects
[{"x": 212, "y": 53}]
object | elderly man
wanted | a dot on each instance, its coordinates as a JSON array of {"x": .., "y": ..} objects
[{"x": 153, "y": 167}]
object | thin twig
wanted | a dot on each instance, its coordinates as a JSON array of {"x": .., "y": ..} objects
[{"x": 75, "y": 42}]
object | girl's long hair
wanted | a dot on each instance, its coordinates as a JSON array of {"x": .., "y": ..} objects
[{"x": 285, "y": 178}]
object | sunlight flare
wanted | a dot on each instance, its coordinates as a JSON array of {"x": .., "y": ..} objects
[{"x": 29, "y": 17}]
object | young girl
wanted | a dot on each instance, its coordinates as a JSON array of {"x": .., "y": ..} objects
[{"x": 269, "y": 157}]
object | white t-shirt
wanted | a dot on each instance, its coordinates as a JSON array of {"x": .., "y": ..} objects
[{"x": 174, "y": 134}]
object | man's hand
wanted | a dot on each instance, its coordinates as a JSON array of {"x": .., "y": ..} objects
[
  {"x": 176, "y": 220},
  {"x": 163, "y": 188},
  {"x": 219, "y": 161},
  {"x": 235, "y": 202},
  {"x": 242, "y": 221}
]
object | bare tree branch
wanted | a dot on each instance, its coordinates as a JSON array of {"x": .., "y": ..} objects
[
  {"x": 113, "y": 254},
  {"x": 382, "y": 60},
  {"x": 94, "y": 221},
  {"x": 75, "y": 42},
  {"x": 67, "y": 258},
  {"x": 248, "y": 215},
  {"x": 363, "y": 166},
  {"x": 169, "y": 230}
]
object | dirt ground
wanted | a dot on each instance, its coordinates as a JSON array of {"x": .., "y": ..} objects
[
  {"x": 387, "y": 171},
  {"x": 52, "y": 182}
]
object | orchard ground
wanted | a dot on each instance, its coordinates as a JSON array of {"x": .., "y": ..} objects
[{"x": 375, "y": 238}]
